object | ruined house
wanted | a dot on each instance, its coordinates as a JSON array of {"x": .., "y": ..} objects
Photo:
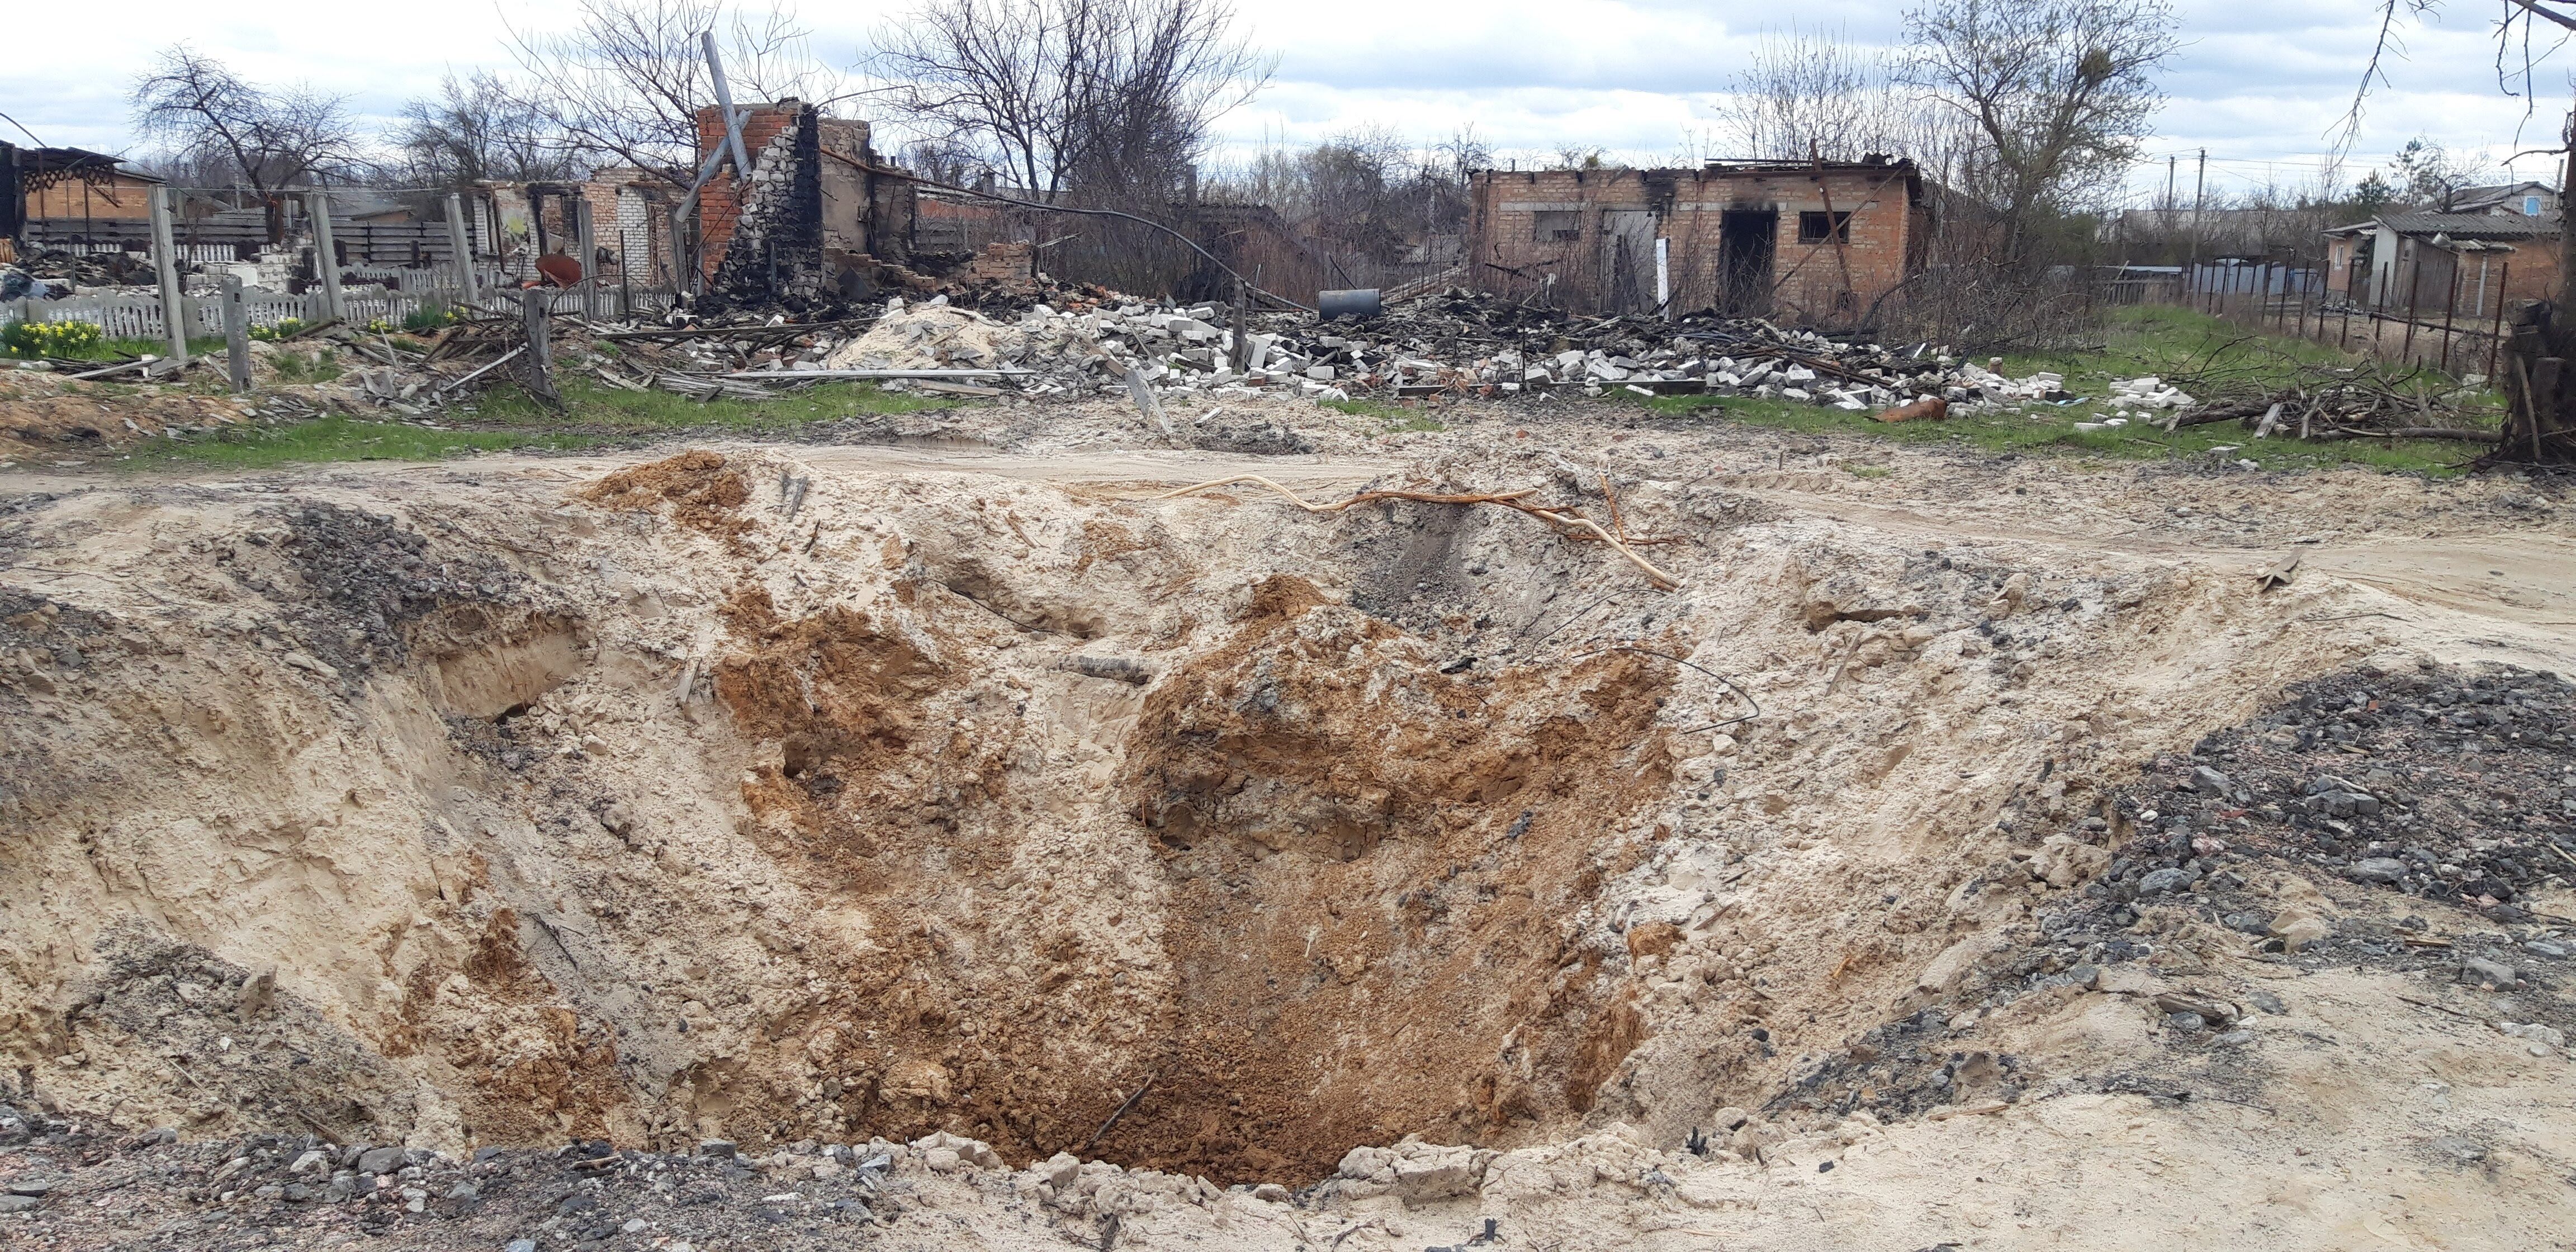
[
  {"x": 67, "y": 194},
  {"x": 813, "y": 219},
  {"x": 1802, "y": 241}
]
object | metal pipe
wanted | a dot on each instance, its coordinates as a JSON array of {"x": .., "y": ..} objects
[{"x": 1358, "y": 302}]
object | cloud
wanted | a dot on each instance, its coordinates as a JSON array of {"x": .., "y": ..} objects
[{"x": 2258, "y": 80}]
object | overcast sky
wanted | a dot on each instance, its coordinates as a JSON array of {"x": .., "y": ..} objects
[{"x": 2260, "y": 83}]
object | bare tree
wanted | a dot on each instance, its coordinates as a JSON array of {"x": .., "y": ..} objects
[
  {"x": 1352, "y": 184},
  {"x": 1365, "y": 192},
  {"x": 625, "y": 83},
  {"x": 2059, "y": 93},
  {"x": 268, "y": 139},
  {"x": 943, "y": 161},
  {"x": 1113, "y": 98},
  {"x": 1807, "y": 93},
  {"x": 2428, "y": 174},
  {"x": 475, "y": 129}
]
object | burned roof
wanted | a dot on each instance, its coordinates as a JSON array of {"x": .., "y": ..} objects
[
  {"x": 1870, "y": 164},
  {"x": 76, "y": 162}
]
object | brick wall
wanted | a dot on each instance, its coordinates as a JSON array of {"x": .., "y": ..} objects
[
  {"x": 1002, "y": 262},
  {"x": 720, "y": 201},
  {"x": 2534, "y": 273},
  {"x": 1514, "y": 242},
  {"x": 761, "y": 241}
]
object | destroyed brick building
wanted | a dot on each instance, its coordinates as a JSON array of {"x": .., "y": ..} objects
[
  {"x": 815, "y": 218},
  {"x": 1806, "y": 241}
]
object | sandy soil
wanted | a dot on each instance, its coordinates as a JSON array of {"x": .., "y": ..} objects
[{"x": 981, "y": 792}]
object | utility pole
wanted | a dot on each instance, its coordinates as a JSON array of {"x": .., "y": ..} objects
[
  {"x": 2164, "y": 246},
  {"x": 2199, "y": 197}
]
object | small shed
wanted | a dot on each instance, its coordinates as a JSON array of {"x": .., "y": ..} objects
[{"x": 2466, "y": 263}]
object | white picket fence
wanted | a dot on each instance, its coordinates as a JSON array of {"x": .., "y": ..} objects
[{"x": 137, "y": 315}]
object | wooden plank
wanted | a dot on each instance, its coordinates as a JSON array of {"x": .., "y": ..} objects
[
  {"x": 816, "y": 376},
  {"x": 785, "y": 330}
]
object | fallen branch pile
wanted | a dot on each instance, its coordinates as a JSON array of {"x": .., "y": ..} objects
[{"x": 2271, "y": 397}]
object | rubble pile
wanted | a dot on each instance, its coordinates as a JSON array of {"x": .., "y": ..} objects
[
  {"x": 990, "y": 340},
  {"x": 71, "y": 272},
  {"x": 1456, "y": 343}
]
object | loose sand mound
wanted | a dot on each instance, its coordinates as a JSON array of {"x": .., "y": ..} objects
[{"x": 1209, "y": 838}]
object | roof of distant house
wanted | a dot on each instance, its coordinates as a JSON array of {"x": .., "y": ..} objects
[
  {"x": 2499, "y": 191},
  {"x": 2458, "y": 225}
]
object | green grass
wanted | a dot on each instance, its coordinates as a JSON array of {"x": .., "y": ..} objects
[
  {"x": 506, "y": 420},
  {"x": 2140, "y": 341},
  {"x": 613, "y": 410},
  {"x": 345, "y": 439},
  {"x": 321, "y": 365}
]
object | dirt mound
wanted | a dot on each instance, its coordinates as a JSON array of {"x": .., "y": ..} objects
[
  {"x": 234, "y": 1040},
  {"x": 702, "y": 492},
  {"x": 42, "y": 416}
]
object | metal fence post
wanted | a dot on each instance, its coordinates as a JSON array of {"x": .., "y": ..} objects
[
  {"x": 2449, "y": 307},
  {"x": 165, "y": 260},
  {"x": 2495, "y": 339},
  {"x": 236, "y": 333},
  {"x": 326, "y": 255},
  {"x": 2414, "y": 288},
  {"x": 588, "y": 246}
]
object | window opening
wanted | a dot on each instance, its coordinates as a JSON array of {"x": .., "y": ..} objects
[{"x": 1824, "y": 227}]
